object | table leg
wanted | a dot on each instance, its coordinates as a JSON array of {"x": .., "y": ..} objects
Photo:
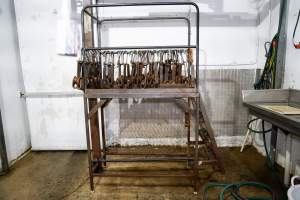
[
  {"x": 287, "y": 165},
  {"x": 273, "y": 144}
]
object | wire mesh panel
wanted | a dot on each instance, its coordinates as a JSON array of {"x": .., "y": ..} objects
[
  {"x": 146, "y": 121},
  {"x": 221, "y": 92}
]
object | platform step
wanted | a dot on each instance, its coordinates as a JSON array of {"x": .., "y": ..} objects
[{"x": 171, "y": 173}]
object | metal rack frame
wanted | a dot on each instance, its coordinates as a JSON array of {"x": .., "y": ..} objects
[
  {"x": 193, "y": 106},
  {"x": 100, "y": 22}
]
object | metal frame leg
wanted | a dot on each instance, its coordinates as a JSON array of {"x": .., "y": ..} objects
[
  {"x": 196, "y": 160},
  {"x": 273, "y": 144},
  {"x": 288, "y": 155},
  {"x": 95, "y": 132},
  {"x": 103, "y": 136},
  {"x": 87, "y": 130},
  {"x": 188, "y": 152},
  {"x": 187, "y": 116},
  {"x": 188, "y": 126}
]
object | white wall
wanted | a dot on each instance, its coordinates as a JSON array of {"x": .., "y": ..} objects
[
  {"x": 292, "y": 70},
  {"x": 267, "y": 26},
  {"x": 55, "y": 123},
  {"x": 13, "y": 108},
  {"x": 228, "y": 39}
]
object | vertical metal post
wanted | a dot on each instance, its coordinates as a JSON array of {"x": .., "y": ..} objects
[
  {"x": 197, "y": 48},
  {"x": 273, "y": 144},
  {"x": 88, "y": 105},
  {"x": 92, "y": 24},
  {"x": 281, "y": 50},
  {"x": 196, "y": 159},
  {"x": 3, "y": 153},
  {"x": 103, "y": 135},
  {"x": 95, "y": 131},
  {"x": 97, "y": 25},
  {"x": 197, "y": 102},
  {"x": 189, "y": 32},
  {"x": 94, "y": 121},
  {"x": 87, "y": 131},
  {"x": 287, "y": 165},
  {"x": 188, "y": 126}
]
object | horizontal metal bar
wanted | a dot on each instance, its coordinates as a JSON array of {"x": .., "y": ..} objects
[
  {"x": 164, "y": 159},
  {"x": 100, "y": 22},
  {"x": 199, "y": 143},
  {"x": 141, "y": 4},
  {"x": 182, "y": 173},
  {"x": 142, "y": 93},
  {"x": 142, "y": 19},
  {"x": 141, "y": 47},
  {"x": 144, "y": 153},
  {"x": 50, "y": 94}
]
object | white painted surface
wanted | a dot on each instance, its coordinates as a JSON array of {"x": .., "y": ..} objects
[
  {"x": 54, "y": 123},
  {"x": 57, "y": 123},
  {"x": 292, "y": 69},
  {"x": 12, "y": 107},
  {"x": 45, "y": 71}
]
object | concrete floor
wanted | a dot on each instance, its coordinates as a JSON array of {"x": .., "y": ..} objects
[{"x": 63, "y": 175}]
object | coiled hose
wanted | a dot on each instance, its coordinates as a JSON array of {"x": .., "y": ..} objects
[{"x": 233, "y": 189}]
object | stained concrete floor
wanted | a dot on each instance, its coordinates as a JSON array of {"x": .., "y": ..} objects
[{"x": 63, "y": 175}]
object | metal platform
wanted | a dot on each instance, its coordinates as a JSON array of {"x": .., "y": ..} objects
[
  {"x": 253, "y": 99},
  {"x": 256, "y": 100},
  {"x": 142, "y": 93}
]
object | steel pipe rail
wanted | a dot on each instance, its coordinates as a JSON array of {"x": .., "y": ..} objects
[
  {"x": 100, "y": 22},
  {"x": 185, "y": 174},
  {"x": 64, "y": 94},
  {"x": 165, "y": 159},
  {"x": 141, "y": 47}
]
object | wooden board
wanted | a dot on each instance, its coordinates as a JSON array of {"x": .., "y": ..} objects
[{"x": 282, "y": 109}]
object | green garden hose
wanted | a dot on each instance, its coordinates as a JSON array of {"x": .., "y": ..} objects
[
  {"x": 233, "y": 190},
  {"x": 269, "y": 162}
]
